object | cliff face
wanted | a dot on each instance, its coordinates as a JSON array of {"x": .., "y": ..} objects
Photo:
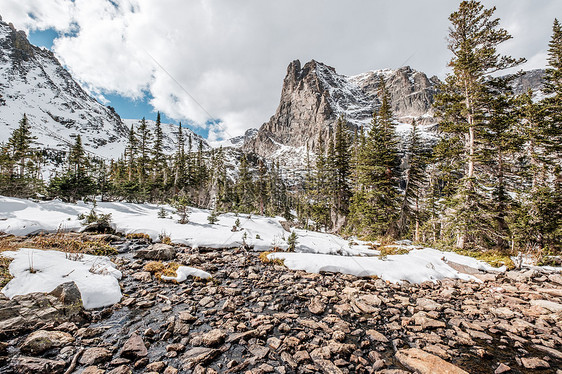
[{"x": 315, "y": 95}]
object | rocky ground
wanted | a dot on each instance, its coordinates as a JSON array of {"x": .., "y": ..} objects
[{"x": 253, "y": 317}]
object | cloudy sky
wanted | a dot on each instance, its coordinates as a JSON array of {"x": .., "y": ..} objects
[{"x": 225, "y": 59}]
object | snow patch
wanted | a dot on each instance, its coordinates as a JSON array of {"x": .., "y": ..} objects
[{"x": 96, "y": 276}]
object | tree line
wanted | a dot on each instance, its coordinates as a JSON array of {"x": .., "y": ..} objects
[{"x": 191, "y": 176}]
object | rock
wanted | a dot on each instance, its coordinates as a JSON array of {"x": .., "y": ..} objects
[
  {"x": 33, "y": 365},
  {"x": 142, "y": 276},
  {"x": 123, "y": 369},
  {"x": 502, "y": 368},
  {"x": 95, "y": 355},
  {"x": 68, "y": 293},
  {"x": 187, "y": 317},
  {"x": 157, "y": 252},
  {"x": 170, "y": 370},
  {"x": 213, "y": 338},
  {"x": 316, "y": 306},
  {"x": 327, "y": 367},
  {"x": 425, "y": 363},
  {"x": 421, "y": 319},
  {"x": 42, "y": 340},
  {"x": 534, "y": 363},
  {"x": 555, "y": 278},
  {"x": 134, "y": 348},
  {"x": 157, "y": 366},
  {"x": 199, "y": 355},
  {"x": 427, "y": 305},
  {"x": 92, "y": 370},
  {"x": 377, "y": 336},
  {"x": 548, "y": 305}
]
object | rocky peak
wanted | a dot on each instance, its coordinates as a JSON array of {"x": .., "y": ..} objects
[{"x": 315, "y": 95}]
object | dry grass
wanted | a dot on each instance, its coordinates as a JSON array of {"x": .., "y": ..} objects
[
  {"x": 159, "y": 269},
  {"x": 138, "y": 235},
  {"x": 276, "y": 261},
  {"x": 73, "y": 245},
  {"x": 7, "y": 243}
]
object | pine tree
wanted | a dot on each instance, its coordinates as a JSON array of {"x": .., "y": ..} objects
[
  {"x": 339, "y": 154},
  {"x": 131, "y": 153},
  {"x": 411, "y": 212},
  {"x": 159, "y": 172},
  {"x": 244, "y": 187},
  {"x": 144, "y": 159},
  {"x": 374, "y": 207},
  {"x": 179, "y": 161},
  {"x": 473, "y": 39}
]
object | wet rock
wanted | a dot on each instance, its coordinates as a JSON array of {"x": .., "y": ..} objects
[
  {"x": 134, "y": 348},
  {"x": 142, "y": 276},
  {"x": 42, "y": 340},
  {"x": 199, "y": 355},
  {"x": 426, "y": 363},
  {"x": 34, "y": 365},
  {"x": 95, "y": 355},
  {"x": 157, "y": 366}
]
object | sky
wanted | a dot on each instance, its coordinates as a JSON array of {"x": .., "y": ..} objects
[{"x": 218, "y": 65}]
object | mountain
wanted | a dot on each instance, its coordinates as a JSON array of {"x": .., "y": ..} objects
[
  {"x": 315, "y": 95},
  {"x": 32, "y": 81}
]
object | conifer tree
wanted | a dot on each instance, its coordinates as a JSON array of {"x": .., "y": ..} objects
[
  {"x": 341, "y": 171},
  {"x": 473, "y": 39},
  {"x": 179, "y": 161},
  {"x": 374, "y": 210},
  {"x": 159, "y": 172},
  {"x": 411, "y": 212}
]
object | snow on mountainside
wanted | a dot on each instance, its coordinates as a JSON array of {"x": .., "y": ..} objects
[{"x": 33, "y": 82}]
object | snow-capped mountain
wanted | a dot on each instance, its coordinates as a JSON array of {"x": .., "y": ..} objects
[
  {"x": 315, "y": 95},
  {"x": 33, "y": 82}
]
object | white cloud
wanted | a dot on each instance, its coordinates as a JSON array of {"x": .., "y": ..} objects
[{"x": 232, "y": 55}]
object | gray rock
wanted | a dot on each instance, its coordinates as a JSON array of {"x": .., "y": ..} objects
[
  {"x": 95, "y": 355},
  {"x": 157, "y": 252},
  {"x": 34, "y": 365},
  {"x": 42, "y": 340}
]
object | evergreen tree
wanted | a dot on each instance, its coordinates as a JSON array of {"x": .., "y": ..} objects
[
  {"x": 179, "y": 161},
  {"x": 411, "y": 212},
  {"x": 463, "y": 105},
  {"x": 244, "y": 187},
  {"x": 341, "y": 171},
  {"x": 374, "y": 208},
  {"x": 159, "y": 172}
]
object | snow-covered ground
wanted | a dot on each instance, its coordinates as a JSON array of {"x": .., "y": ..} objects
[
  {"x": 419, "y": 265},
  {"x": 95, "y": 276},
  {"x": 22, "y": 217},
  {"x": 315, "y": 251}
]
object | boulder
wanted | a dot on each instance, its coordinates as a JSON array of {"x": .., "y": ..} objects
[
  {"x": 157, "y": 252},
  {"x": 134, "y": 348},
  {"x": 43, "y": 340},
  {"x": 34, "y": 365},
  {"x": 420, "y": 361}
]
